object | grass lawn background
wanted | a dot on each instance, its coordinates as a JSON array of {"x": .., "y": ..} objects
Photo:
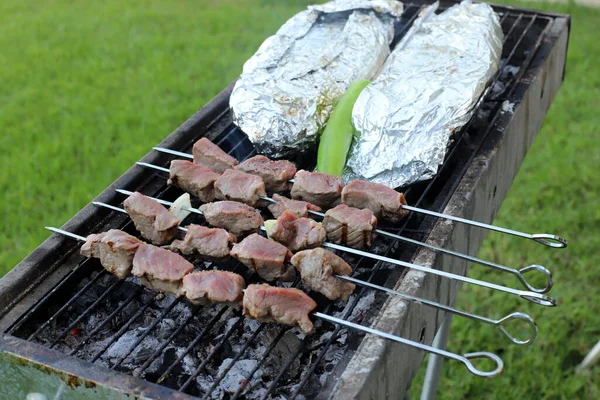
[{"x": 88, "y": 87}]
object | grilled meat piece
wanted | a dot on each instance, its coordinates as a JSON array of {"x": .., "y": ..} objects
[
  {"x": 297, "y": 233},
  {"x": 239, "y": 186},
  {"x": 386, "y": 203},
  {"x": 275, "y": 173},
  {"x": 194, "y": 179},
  {"x": 211, "y": 243},
  {"x": 287, "y": 306},
  {"x": 318, "y": 268},
  {"x": 296, "y": 207},
  {"x": 114, "y": 248},
  {"x": 239, "y": 219},
  {"x": 151, "y": 219},
  {"x": 160, "y": 269},
  {"x": 209, "y": 155},
  {"x": 350, "y": 226},
  {"x": 265, "y": 257},
  {"x": 205, "y": 287},
  {"x": 318, "y": 188}
]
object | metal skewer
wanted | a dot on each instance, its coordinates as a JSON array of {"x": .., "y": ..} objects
[
  {"x": 465, "y": 359},
  {"x": 546, "y": 239},
  {"x": 518, "y": 273},
  {"x": 528, "y": 295},
  {"x": 497, "y": 323}
]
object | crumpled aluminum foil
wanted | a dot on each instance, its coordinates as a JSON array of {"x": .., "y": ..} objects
[
  {"x": 428, "y": 89},
  {"x": 287, "y": 89}
]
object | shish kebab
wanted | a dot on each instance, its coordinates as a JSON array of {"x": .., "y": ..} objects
[
  {"x": 290, "y": 306},
  {"x": 118, "y": 252},
  {"x": 205, "y": 153},
  {"x": 528, "y": 295},
  {"x": 201, "y": 181}
]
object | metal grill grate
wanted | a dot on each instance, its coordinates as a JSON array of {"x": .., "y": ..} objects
[{"x": 90, "y": 313}]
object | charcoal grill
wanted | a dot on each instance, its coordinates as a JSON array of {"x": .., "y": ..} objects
[{"x": 65, "y": 316}]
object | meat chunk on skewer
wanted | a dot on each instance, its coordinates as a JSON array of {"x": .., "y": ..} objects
[
  {"x": 209, "y": 155},
  {"x": 386, "y": 203},
  {"x": 275, "y": 173},
  {"x": 296, "y": 207},
  {"x": 151, "y": 219},
  {"x": 194, "y": 179},
  {"x": 114, "y": 248},
  {"x": 296, "y": 233},
  {"x": 211, "y": 243},
  {"x": 267, "y": 258},
  {"x": 239, "y": 186},
  {"x": 287, "y": 306},
  {"x": 239, "y": 219},
  {"x": 350, "y": 226},
  {"x": 205, "y": 287},
  {"x": 160, "y": 269},
  {"x": 318, "y": 268},
  {"x": 316, "y": 187}
]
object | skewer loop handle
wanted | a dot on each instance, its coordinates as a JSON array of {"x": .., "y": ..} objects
[
  {"x": 523, "y": 317},
  {"x": 483, "y": 354},
  {"x": 538, "y": 298},
  {"x": 541, "y": 269},
  {"x": 550, "y": 240}
]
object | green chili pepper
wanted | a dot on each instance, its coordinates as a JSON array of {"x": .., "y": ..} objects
[{"x": 337, "y": 135}]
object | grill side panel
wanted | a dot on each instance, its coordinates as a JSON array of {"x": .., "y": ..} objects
[{"x": 384, "y": 369}]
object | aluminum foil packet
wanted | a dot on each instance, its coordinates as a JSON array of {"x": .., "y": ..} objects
[
  {"x": 428, "y": 88},
  {"x": 287, "y": 89}
]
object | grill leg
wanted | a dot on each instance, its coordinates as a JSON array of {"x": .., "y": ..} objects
[{"x": 434, "y": 365}]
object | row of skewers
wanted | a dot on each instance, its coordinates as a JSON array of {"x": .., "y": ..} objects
[{"x": 230, "y": 191}]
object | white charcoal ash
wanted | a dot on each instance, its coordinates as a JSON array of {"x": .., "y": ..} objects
[{"x": 237, "y": 375}]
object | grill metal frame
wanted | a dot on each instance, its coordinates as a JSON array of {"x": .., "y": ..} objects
[{"x": 38, "y": 278}]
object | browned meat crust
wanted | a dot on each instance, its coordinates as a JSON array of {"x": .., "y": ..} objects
[
  {"x": 151, "y": 219},
  {"x": 287, "y": 306},
  {"x": 318, "y": 268},
  {"x": 265, "y": 257},
  {"x": 209, "y": 155},
  {"x": 350, "y": 226}
]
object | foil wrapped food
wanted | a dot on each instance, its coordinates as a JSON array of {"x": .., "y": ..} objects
[
  {"x": 428, "y": 89},
  {"x": 287, "y": 89}
]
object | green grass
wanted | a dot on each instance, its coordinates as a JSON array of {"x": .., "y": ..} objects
[{"x": 88, "y": 87}]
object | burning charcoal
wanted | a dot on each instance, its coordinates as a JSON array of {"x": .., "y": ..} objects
[
  {"x": 209, "y": 155},
  {"x": 286, "y": 347},
  {"x": 318, "y": 188},
  {"x": 362, "y": 307},
  {"x": 238, "y": 374},
  {"x": 275, "y": 174},
  {"x": 205, "y": 382}
]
